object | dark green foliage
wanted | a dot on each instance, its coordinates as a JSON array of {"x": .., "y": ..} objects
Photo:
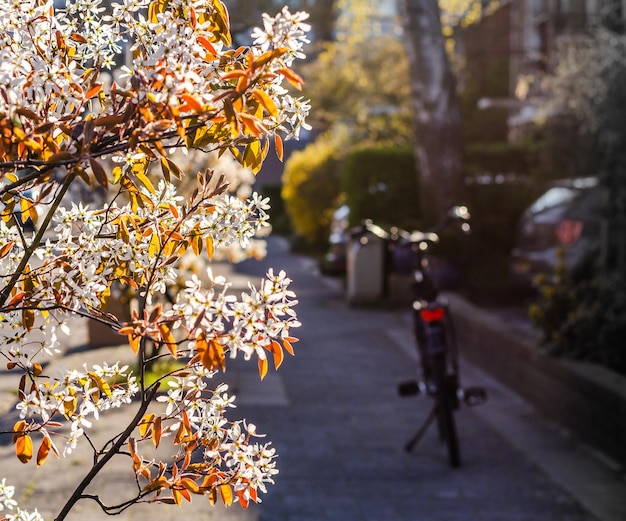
[
  {"x": 499, "y": 158},
  {"x": 279, "y": 219},
  {"x": 495, "y": 208},
  {"x": 381, "y": 184},
  {"x": 498, "y": 190},
  {"x": 582, "y": 315}
]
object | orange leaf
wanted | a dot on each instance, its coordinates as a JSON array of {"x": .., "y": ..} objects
[
  {"x": 288, "y": 347},
  {"x": 291, "y": 77},
  {"x": 211, "y": 353},
  {"x": 278, "y": 354},
  {"x": 78, "y": 38},
  {"x": 266, "y": 101},
  {"x": 278, "y": 143},
  {"x": 185, "y": 493},
  {"x": 16, "y": 299},
  {"x": 18, "y": 430},
  {"x": 190, "y": 485},
  {"x": 168, "y": 339},
  {"x": 93, "y": 91},
  {"x": 156, "y": 431},
  {"x": 24, "y": 448},
  {"x": 243, "y": 501},
  {"x": 192, "y": 102},
  {"x": 207, "y": 45},
  {"x": 4, "y": 251},
  {"x": 133, "y": 340},
  {"x": 252, "y": 124},
  {"x": 233, "y": 75},
  {"x": 44, "y": 450}
]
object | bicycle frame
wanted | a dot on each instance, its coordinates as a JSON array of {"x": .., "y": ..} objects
[{"x": 436, "y": 345}]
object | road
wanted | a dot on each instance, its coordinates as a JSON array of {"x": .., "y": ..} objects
[{"x": 333, "y": 413}]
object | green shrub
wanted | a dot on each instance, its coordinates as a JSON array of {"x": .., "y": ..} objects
[
  {"x": 582, "y": 315},
  {"x": 380, "y": 183},
  {"x": 311, "y": 189}
]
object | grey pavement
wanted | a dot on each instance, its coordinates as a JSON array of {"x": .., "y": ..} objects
[{"x": 334, "y": 416}]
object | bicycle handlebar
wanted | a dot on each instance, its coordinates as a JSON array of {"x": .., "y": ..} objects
[{"x": 456, "y": 213}]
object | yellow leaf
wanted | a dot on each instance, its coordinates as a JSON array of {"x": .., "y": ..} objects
[
  {"x": 146, "y": 423},
  {"x": 155, "y": 484},
  {"x": 155, "y": 246},
  {"x": 196, "y": 244},
  {"x": 28, "y": 319},
  {"x": 156, "y": 7},
  {"x": 263, "y": 366},
  {"x": 227, "y": 494},
  {"x": 231, "y": 116},
  {"x": 145, "y": 181},
  {"x": 210, "y": 249},
  {"x": 24, "y": 448},
  {"x": 220, "y": 22}
]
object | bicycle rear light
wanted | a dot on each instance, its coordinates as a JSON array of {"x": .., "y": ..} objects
[{"x": 432, "y": 314}]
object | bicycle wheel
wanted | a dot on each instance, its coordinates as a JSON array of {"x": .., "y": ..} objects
[{"x": 445, "y": 409}]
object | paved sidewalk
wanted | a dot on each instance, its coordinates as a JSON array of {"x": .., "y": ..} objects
[{"x": 333, "y": 414}]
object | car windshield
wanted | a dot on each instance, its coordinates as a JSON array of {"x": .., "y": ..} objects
[{"x": 556, "y": 196}]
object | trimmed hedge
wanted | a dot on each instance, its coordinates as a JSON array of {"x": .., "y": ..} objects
[
  {"x": 499, "y": 158},
  {"x": 311, "y": 190},
  {"x": 380, "y": 183}
]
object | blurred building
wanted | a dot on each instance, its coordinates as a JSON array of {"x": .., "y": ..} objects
[{"x": 518, "y": 39}]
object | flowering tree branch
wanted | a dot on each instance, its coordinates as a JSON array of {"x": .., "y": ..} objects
[{"x": 66, "y": 122}]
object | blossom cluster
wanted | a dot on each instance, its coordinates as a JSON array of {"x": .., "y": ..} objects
[
  {"x": 173, "y": 55},
  {"x": 6, "y": 501},
  {"x": 79, "y": 396},
  {"x": 99, "y": 253},
  {"x": 246, "y": 466},
  {"x": 249, "y": 325}
]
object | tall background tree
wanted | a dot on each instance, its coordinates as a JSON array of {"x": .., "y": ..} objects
[{"x": 437, "y": 116}]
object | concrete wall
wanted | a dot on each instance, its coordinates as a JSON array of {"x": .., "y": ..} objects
[{"x": 587, "y": 399}]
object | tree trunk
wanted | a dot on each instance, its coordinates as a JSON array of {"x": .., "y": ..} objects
[{"x": 436, "y": 110}]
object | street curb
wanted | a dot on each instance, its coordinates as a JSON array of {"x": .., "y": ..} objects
[{"x": 586, "y": 399}]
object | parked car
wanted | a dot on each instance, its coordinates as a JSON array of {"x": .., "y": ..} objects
[{"x": 567, "y": 215}]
